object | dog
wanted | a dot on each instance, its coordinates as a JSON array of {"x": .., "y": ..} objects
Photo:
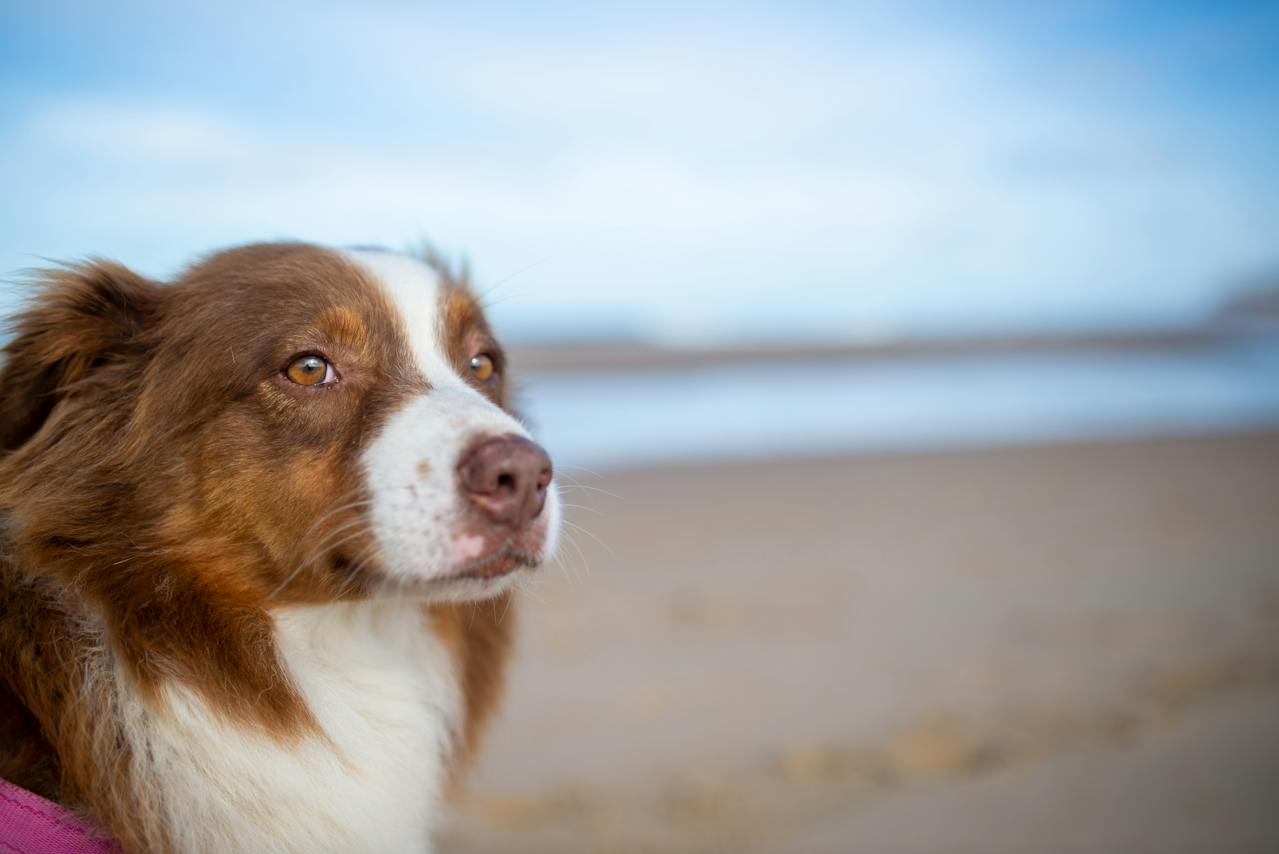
[{"x": 260, "y": 530}]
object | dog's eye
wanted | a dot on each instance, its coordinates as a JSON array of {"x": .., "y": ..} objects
[
  {"x": 310, "y": 370},
  {"x": 482, "y": 367}
]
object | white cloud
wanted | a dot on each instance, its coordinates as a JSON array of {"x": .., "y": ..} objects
[
  {"x": 113, "y": 132},
  {"x": 887, "y": 177}
]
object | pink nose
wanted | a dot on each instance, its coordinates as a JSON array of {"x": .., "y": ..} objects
[{"x": 506, "y": 478}]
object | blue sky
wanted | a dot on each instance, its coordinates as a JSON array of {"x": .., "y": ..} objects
[{"x": 737, "y": 170}]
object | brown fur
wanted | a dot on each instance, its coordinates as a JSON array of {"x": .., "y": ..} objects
[{"x": 161, "y": 487}]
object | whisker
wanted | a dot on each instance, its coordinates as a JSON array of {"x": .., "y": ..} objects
[
  {"x": 602, "y": 544},
  {"x": 562, "y": 566},
  {"x": 329, "y": 514},
  {"x": 328, "y": 542},
  {"x": 595, "y": 510},
  {"x": 521, "y": 271},
  {"x": 527, "y": 588},
  {"x": 357, "y": 566},
  {"x": 581, "y": 556},
  {"x": 567, "y": 486},
  {"x": 487, "y": 303},
  {"x": 591, "y": 472}
]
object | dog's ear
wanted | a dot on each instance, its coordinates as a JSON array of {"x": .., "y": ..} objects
[{"x": 79, "y": 320}]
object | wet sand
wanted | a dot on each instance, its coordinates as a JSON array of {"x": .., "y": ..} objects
[{"x": 1068, "y": 648}]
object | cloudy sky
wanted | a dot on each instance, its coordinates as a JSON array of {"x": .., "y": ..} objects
[{"x": 740, "y": 170}]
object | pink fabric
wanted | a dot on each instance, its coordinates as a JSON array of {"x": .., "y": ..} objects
[{"x": 31, "y": 825}]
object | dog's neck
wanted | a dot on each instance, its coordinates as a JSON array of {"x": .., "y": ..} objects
[{"x": 383, "y": 689}]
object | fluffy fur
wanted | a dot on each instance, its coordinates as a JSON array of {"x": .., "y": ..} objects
[{"x": 238, "y": 613}]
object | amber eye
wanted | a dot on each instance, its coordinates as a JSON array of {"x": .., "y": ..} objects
[
  {"x": 482, "y": 367},
  {"x": 310, "y": 370}
]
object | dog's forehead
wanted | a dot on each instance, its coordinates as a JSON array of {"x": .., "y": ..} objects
[
  {"x": 415, "y": 293},
  {"x": 396, "y": 310}
]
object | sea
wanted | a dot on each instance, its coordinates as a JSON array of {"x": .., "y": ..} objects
[{"x": 767, "y": 409}]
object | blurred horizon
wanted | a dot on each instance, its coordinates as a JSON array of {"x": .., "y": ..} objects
[{"x": 746, "y": 173}]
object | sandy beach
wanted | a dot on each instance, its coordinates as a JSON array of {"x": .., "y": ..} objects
[{"x": 1069, "y": 648}]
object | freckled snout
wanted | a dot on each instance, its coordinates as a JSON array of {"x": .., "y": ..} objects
[{"x": 506, "y": 478}]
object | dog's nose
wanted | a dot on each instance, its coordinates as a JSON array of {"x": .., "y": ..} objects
[{"x": 506, "y": 478}]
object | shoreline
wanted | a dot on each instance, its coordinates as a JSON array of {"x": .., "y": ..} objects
[
  {"x": 632, "y": 355},
  {"x": 820, "y": 457}
]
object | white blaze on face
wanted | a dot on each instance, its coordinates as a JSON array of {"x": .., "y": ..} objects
[{"x": 417, "y": 513}]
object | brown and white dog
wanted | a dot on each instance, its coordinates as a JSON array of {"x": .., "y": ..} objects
[{"x": 259, "y": 530}]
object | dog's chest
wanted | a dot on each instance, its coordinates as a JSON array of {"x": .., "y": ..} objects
[{"x": 384, "y": 692}]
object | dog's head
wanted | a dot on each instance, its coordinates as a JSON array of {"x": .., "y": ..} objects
[{"x": 309, "y": 424}]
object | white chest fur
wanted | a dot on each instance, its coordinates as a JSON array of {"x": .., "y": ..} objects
[{"x": 383, "y": 690}]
